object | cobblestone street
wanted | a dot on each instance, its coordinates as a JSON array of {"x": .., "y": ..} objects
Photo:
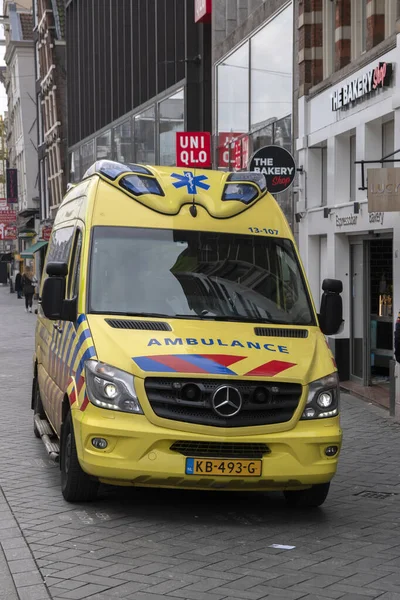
[{"x": 153, "y": 545}]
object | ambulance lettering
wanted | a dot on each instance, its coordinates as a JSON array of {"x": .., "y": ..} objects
[{"x": 218, "y": 342}]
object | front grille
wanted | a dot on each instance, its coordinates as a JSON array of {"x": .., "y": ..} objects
[
  {"x": 143, "y": 325},
  {"x": 263, "y": 403},
  {"x": 277, "y": 332},
  {"x": 220, "y": 449}
]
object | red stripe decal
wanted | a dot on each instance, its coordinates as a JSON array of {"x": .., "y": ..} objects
[
  {"x": 272, "y": 368},
  {"x": 224, "y": 359},
  {"x": 85, "y": 403},
  {"x": 72, "y": 397},
  {"x": 180, "y": 365},
  {"x": 80, "y": 383}
]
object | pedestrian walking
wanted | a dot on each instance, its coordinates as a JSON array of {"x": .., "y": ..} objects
[
  {"x": 28, "y": 286},
  {"x": 18, "y": 284}
]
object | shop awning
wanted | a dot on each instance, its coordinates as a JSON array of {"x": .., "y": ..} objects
[{"x": 29, "y": 252}]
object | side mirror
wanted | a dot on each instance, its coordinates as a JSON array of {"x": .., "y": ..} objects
[
  {"x": 53, "y": 295},
  {"x": 331, "y": 312},
  {"x": 54, "y": 304}
]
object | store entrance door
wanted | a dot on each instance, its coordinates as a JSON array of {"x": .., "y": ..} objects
[
  {"x": 358, "y": 312},
  {"x": 371, "y": 314}
]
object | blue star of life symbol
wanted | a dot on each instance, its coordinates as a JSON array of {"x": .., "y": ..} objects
[{"x": 192, "y": 182}]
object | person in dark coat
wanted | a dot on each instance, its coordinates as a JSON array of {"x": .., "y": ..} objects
[
  {"x": 28, "y": 287},
  {"x": 18, "y": 284},
  {"x": 397, "y": 339}
]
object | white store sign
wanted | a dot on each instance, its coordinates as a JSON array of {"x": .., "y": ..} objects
[{"x": 356, "y": 89}]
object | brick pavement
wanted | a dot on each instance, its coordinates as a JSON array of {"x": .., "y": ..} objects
[{"x": 158, "y": 545}]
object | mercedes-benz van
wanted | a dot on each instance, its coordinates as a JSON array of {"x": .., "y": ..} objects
[{"x": 177, "y": 343}]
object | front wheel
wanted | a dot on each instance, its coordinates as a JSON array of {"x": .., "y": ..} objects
[
  {"x": 313, "y": 497},
  {"x": 76, "y": 485}
]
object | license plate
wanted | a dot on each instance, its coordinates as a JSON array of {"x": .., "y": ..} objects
[{"x": 227, "y": 467}]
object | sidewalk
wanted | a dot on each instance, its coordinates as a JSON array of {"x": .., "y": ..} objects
[{"x": 20, "y": 577}]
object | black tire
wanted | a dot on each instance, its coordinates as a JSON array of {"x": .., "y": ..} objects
[
  {"x": 37, "y": 405},
  {"x": 312, "y": 498},
  {"x": 76, "y": 485}
]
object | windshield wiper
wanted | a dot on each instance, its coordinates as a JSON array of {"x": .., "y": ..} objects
[
  {"x": 133, "y": 314},
  {"x": 236, "y": 319}
]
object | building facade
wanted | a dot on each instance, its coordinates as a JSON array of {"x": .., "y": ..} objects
[
  {"x": 49, "y": 35},
  {"x": 253, "y": 93},
  {"x": 137, "y": 72},
  {"x": 349, "y": 112},
  {"x": 21, "y": 129}
]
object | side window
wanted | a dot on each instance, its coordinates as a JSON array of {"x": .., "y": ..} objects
[
  {"x": 73, "y": 283},
  {"x": 60, "y": 245}
]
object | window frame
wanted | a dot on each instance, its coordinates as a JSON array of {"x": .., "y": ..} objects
[
  {"x": 390, "y": 17},
  {"x": 358, "y": 28},
  {"x": 329, "y": 37},
  {"x": 75, "y": 265}
]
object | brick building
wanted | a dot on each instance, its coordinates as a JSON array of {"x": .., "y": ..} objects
[
  {"x": 348, "y": 110},
  {"x": 49, "y": 33}
]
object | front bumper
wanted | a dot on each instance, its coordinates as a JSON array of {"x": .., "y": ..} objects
[{"x": 139, "y": 453}]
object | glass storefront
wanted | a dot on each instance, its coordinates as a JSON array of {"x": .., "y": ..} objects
[
  {"x": 123, "y": 146},
  {"x": 172, "y": 111},
  {"x": 254, "y": 96},
  {"x": 145, "y": 137}
]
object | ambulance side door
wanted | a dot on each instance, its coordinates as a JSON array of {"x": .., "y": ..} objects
[{"x": 51, "y": 331}]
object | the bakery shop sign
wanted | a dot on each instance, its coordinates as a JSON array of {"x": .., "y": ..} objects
[
  {"x": 278, "y": 166},
  {"x": 361, "y": 87}
]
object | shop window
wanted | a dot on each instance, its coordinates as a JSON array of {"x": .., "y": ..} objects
[
  {"x": 172, "y": 111},
  {"x": 358, "y": 27},
  {"x": 145, "y": 137},
  {"x": 87, "y": 156},
  {"x": 353, "y": 168},
  {"x": 387, "y": 141},
  {"x": 329, "y": 31},
  {"x": 390, "y": 17},
  {"x": 271, "y": 71},
  {"x": 103, "y": 145},
  {"x": 74, "y": 166},
  {"x": 123, "y": 142},
  {"x": 233, "y": 91}
]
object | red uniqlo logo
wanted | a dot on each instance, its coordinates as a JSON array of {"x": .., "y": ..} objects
[{"x": 193, "y": 149}]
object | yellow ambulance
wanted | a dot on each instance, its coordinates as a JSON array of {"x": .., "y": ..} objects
[{"x": 177, "y": 344}]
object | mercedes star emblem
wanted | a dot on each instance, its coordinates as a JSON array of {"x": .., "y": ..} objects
[{"x": 227, "y": 401}]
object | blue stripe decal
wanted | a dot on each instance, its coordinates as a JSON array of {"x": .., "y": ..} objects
[
  {"x": 65, "y": 335},
  {"x": 84, "y": 335},
  {"x": 147, "y": 364},
  {"x": 208, "y": 365},
  {"x": 89, "y": 353},
  {"x": 73, "y": 337}
]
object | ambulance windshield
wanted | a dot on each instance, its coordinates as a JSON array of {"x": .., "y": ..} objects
[{"x": 197, "y": 275}]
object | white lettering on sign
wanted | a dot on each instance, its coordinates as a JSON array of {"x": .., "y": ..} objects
[
  {"x": 193, "y": 149},
  {"x": 358, "y": 88}
]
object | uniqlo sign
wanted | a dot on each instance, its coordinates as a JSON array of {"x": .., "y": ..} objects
[
  {"x": 193, "y": 149},
  {"x": 202, "y": 11}
]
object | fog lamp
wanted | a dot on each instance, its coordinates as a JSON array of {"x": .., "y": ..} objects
[
  {"x": 99, "y": 443},
  {"x": 331, "y": 450}
]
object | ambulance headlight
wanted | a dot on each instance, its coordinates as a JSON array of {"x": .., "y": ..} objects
[
  {"x": 110, "y": 388},
  {"x": 323, "y": 398},
  {"x": 138, "y": 185},
  {"x": 243, "y": 192}
]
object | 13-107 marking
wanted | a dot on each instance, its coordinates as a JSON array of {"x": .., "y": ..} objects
[{"x": 268, "y": 231}]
